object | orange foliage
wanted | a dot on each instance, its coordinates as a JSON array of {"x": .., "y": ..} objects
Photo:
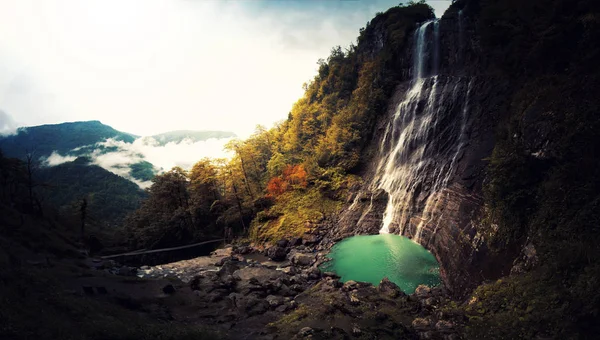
[
  {"x": 276, "y": 186},
  {"x": 294, "y": 176}
]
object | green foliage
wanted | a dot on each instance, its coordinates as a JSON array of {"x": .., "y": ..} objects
[
  {"x": 532, "y": 305},
  {"x": 537, "y": 35},
  {"x": 543, "y": 174},
  {"x": 293, "y": 214},
  {"x": 332, "y": 123},
  {"x": 110, "y": 197},
  {"x": 143, "y": 171}
]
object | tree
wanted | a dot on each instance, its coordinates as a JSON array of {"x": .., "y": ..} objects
[{"x": 32, "y": 166}]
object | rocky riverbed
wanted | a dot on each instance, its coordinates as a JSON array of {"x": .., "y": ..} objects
[{"x": 279, "y": 293}]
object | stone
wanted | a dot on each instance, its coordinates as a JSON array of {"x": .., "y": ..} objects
[
  {"x": 314, "y": 273},
  {"x": 228, "y": 268},
  {"x": 277, "y": 253},
  {"x": 244, "y": 250},
  {"x": 354, "y": 299},
  {"x": 283, "y": 243},
  {"x": 309, "y": 239},
  {"x": 274, "y": 301},
  {"x": 282, "y": 308},
  {"x": 422, "y": 292},
  {"x": 295, "y": 241},
  {"x": 301, "y": 259},
  {"x": 429, "y": 302},
  {"x": 306, "y": 331},
  {"x": 444, "y": 326},
  {"x": 350, "y": 285},
  {"x": 331, "y": 274},
  {"x": 421, "y": 324},
  {"x": 254, "y": 306},
  {"x": 389, "y": 288}
]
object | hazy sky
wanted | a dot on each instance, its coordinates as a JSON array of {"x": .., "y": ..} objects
[{"x": 150, "y": 66}]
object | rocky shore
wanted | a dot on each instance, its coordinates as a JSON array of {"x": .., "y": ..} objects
[{"x": 278, "y": 292}]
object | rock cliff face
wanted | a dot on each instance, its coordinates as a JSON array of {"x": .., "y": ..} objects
[{"x": 429, "y": 155}]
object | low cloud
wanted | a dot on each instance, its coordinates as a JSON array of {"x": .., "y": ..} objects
[
  {"x": 8, "y": 126},
  {"x": 56, "y": 159},
  {"x": 183, "y": 154}
]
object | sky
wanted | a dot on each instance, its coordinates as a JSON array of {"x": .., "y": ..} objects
[{"x": 151, "y": 66}]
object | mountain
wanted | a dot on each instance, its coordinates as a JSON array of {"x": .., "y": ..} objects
[
  {"x": 109, "y": 197},
  {"x": 191, "y": 136},
  {"x": 57, "y": 143},
  {"x": 61, "y": 138},
  {"x": 93, "y": 160}
]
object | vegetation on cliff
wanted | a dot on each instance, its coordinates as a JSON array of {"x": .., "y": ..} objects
[
  {"x": 282, "y": 181},
  {"x": 543, "y": 186}
]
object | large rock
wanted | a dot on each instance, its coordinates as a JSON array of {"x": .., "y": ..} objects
[
  {"x": 422, "y": 292},
  {"x": 277, "y": 253},
  {"x": 301, "y": 259},
  {"x": 389, "y": 288},
  {"x": 421, "y": 324}
]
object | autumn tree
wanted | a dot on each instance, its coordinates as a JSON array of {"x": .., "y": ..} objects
[{"x": 164, "y": 218}]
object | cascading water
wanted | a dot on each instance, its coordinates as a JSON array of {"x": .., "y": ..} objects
[{"x": 422, "y": 141}]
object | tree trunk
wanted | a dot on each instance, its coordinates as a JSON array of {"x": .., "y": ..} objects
[
  {"x": 239, "y": 204},
  {"x": 245, "y": 173}
]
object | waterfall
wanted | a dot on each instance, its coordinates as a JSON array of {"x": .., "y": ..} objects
[{"x": 422, "y": 141}]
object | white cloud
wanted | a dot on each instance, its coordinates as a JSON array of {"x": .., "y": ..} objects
[
  {"x": 56, "y": 159},
  {"x": 146, "y": 66},
  {"x": 183, "y": 154},
  {"x": 7, "y": 124}
]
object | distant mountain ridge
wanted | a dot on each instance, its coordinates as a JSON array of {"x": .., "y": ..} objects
[
  {"x": 59, "y": 143},
  {"x": 61, "y": 138},
  {"x": 88, "y": 159},
  {"x": 191, "y": 135}
]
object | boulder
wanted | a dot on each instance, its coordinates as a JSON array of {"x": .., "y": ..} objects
[
  {"x": 295, "y": 241},
  {"x": 228, "y": 268},
  {"x": 331, "y": 275},
  {"x": 277, "y": 253},
  {"x": 421, "y": 324},
  {"x": 274, "y": 301},
  {"x": 310, "y": 239},
  {"x": 422, "y": 292},
  {"x": 306, "y": 331},
  {"x": 283, "y": 243},
  {"x": 253, "y": 306},
  {"x": 350, "y": 285},
  {"x": 389, "y": 288},
  {"x": 301, "y": 259},
  {"x": 314, "y": 273},
  {"x": 243, "y": 250},
  {"x": 444, "y": 326}
]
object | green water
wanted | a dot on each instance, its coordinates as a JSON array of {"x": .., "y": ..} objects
[{"x": 370, "y": 258}]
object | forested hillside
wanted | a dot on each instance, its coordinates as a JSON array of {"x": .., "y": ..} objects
[
  {"x": 284, "y": 180},
  {"x": 61, "y": 138}
]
